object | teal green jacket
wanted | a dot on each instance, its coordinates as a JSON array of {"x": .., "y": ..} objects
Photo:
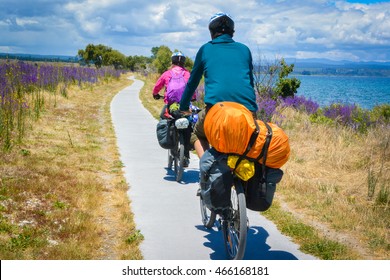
[{"x": 228, "y": 74}]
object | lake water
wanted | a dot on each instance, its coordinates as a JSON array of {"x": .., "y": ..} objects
[{"x": 363, "y": 91}]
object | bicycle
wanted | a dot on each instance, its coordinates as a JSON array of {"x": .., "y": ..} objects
[
  {"x": 177, "y": 155},
  {"x": 231, "y": 183},
  {"x": 233, "y": 221}
]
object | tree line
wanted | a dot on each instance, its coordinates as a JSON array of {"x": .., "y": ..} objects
[
  {"x": 270, "y": 79},
  {"x": 101, "y": 55}
]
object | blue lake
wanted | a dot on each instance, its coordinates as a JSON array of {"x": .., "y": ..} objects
[{"x": 363, "y": 91}]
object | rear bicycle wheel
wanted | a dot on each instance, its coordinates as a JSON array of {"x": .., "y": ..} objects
[
  {"x": 180, "y": 153},
  {"x": 208, "y": 216},
  {"x": 172, "y": 152},
  {"x": 234, "y": 226},
  {"x": 170, "y": 158}
]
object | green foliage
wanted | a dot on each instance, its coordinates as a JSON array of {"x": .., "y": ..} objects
[
  {"x": 313, "y": 242},
  {"x": 286, "y": 86},
  {"x": 59, "y": 204},
  {"x": 101, "y": 55},
  {"x": 137, "y": 63},
  {"x": 154, "y": 52},
  {"x": 163, "y": 59},
  {"x": 381, "y": 113},
  {"x": 136, "y": 236},
  {"x": 115, "y": 59},
  {"x": 94, "y": 54},
  {"x": 189, "y": 64},
  {"x": 319, "y": 118},
  {"x": 271, "y": 79}
]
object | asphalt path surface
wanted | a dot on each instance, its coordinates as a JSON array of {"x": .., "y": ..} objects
[{"x": 166, "y": 212}]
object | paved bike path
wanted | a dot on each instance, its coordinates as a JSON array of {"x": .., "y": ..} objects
[{"x": 167, "y": 212}]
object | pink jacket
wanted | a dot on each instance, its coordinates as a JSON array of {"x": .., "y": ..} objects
[{"x": 163, "y": 81}]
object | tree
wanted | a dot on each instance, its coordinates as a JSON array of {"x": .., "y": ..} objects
[
  {"x": 189, "y": 64},
  {"x": 163, "y": 59},
  {"x": 286, "y": 86},
  {"x": 154, "y": 52},
  {"x": 101, "y": 55},
  {"x": 271, "y": 79},
  {"x": 137, "y": 63},
  {"x": 94, "y": 54},
  {"x": 114, "y": 58}
]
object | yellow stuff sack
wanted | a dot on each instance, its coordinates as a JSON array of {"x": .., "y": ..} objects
[
  {"x": 245, "y": 169},
  {"x": 229, "y": 126}
]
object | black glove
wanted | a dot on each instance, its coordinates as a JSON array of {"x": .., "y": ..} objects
[
  {"x": 176, "y": 114},
  {"x": 157, "y": 96}
]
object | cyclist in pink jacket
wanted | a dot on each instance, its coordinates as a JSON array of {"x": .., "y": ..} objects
[{"x": 178, "y": 60}]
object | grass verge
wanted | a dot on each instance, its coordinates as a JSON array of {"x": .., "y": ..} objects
[{"x": 62, "y": 191}]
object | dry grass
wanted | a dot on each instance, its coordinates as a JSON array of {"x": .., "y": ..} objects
[
  {"x": 323, "y": 199},
  {"x": 153, "y": 106},
  {"x": 62, "y": 192},
  {"x": 326, "y": 183}
]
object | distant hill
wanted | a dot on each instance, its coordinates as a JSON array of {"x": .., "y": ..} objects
[
  {"x": 346, "y": 68},
  {"x": 38, "y": 57}
]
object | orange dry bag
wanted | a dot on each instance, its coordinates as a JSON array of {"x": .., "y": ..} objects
[{"x": 230, "y": 128}]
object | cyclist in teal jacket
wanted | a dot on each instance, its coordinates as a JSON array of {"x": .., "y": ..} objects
[{"x": 228, "y": 74}]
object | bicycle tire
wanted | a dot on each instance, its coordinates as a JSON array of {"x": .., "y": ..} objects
[
  {"x": 175, "y": 152},
  {"x": 208, "y": 216},
  {"x": 235, "y": 227},
  {"x": 180, "y": 169},
  {"x": 170, "y": 159}
]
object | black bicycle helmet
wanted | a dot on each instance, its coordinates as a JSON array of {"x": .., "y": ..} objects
[
  {"x": 221, "y": 23},
  {"x": 178, "y": 58}
]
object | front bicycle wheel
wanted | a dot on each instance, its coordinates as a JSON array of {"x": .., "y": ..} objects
[
  {"x": 234, "y": 226},
  {"x": 208, "y": 216}
]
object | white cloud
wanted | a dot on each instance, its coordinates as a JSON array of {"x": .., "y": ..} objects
[
  {"x": 26, "y": 21},
  {"x": 321, "y": 28},
  {"x": 119, "y": 28}
]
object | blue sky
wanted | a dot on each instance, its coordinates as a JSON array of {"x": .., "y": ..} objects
[{"x": 337, "y": 30}]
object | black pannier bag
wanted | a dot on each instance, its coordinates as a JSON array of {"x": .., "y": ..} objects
[
  {"x": 165, "y": 133},
  {"x": 260, "y": 189},
  {"x": 216, "y": 180}
]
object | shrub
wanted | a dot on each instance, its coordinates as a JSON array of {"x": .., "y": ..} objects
[
  {"x": 267, "y": 107},
  {"x": 300, "y": 103},
  {"x": 348, "y": 115},
  {"x": 381, "y": 114}
]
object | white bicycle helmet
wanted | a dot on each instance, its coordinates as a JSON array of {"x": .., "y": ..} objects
[
  {"x": 178, "y": 58},
  {"x": 221, "y": 23}
]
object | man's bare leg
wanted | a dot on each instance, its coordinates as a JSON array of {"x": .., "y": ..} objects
[{"x": 201, "y": 146}]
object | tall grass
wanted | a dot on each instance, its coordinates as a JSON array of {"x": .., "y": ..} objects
[
  {"x": 62, "y": 190},
  {"x": 21, "y": 91},
  {"x": 340, "y": 178}
]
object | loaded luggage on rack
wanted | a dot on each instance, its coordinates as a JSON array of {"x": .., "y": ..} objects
[{"x": 252, "y": 149}]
